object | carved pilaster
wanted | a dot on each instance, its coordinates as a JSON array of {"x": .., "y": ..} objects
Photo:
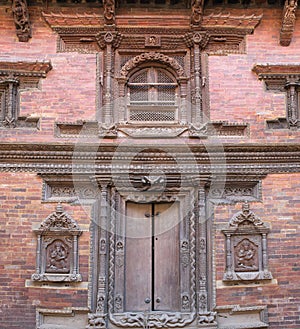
[
  {"x": 21, "y": 19},
  {"x": 288, "y": 22},
  {"x": 9, "y": 109},
  {"x": 292, "y": 104}
]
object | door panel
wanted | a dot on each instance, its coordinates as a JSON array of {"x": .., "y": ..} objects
[
  {"x": 166, "y": 257},
  {"x": 152, "y": 257},
  {"x": 138, "y": 259}
]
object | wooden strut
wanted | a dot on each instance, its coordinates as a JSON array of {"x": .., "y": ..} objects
[
  {"x": 288, "y": 22},
  {"x": 21, "y": 19}
]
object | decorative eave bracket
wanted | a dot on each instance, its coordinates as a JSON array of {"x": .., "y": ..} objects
[
  {"x": 288, "y": 22},
  {"x": 21, "y": 19}
]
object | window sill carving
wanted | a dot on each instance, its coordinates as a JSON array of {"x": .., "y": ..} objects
[
  {"x": 283, "y": 78},
  {"x": 246, "y": 248},
  {"x": 57, "y": 249}
]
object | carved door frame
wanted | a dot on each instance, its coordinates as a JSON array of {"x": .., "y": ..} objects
[{"x": 116, "y": 314}]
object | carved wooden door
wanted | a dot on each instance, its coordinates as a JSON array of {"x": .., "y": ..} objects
[{"x": 152, "y": 280}]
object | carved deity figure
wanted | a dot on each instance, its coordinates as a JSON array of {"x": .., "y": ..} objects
[
  {"x": 109, "y": 11},
  {"x": 21, "y": 19},
  {"x": 289, "y": 16},
  {"x": 245, "y": 254},
  {"x": 57, "y": 257},
  {"x": 197, "y": 12}
]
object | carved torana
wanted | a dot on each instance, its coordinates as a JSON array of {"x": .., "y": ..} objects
[
  {"x": 246, "y": 248},
  {"x": 57, "y": 248},
  {"x": 21, "y": 19},
  {"x": 288, "y": 22}
]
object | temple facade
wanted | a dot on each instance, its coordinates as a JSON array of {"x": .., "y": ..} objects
[{"x": 149, "y": 164}]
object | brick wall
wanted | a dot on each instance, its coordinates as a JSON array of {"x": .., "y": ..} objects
[
  {"x": 21, "y": 210},
  {"x": 280, "y": 211}
]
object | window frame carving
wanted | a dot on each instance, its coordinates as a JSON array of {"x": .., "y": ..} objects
[
  {"x": 249, "y": 263},
  {"x": 15, "y": 77},
  {"x": 60, "y": 231},
  {"x": 161, "y": 61},
  {"x": 283, "y": 78}
]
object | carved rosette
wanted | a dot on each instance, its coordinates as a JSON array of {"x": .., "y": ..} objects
[
  {"x": 246, "y": 248},
  {"x": 57, "y": 248},
  {"x": 21, "y": 19}
]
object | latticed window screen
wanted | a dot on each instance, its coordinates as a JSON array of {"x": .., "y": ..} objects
[{"x": 156, "y": 88}]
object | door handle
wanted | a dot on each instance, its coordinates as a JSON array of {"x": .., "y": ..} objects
[
  {"x": 157, "y": 300},
  {"x": 147, "y": 300}
]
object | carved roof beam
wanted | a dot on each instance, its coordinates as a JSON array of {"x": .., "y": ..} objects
[
  {"x": 21, "y": 19},
  {"x": 288, "y": 22}
]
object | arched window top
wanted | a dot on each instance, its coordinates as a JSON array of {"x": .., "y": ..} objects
[{"x": 152, "y": 95}]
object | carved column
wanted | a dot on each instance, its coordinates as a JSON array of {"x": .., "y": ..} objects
[
  {"x": 9, "y": 115},
  {"x": 108, "y": 59},
  {"x": 205, "y": 316},
  {"x": 101, "y": 215},
  {"x": 292, "y": 100},
  {"x": 197, "y": 119}
]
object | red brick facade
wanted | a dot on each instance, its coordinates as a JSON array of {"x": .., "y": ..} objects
[{"x": 69, "y": 92}]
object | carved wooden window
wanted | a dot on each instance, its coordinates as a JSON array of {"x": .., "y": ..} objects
[
  {"x": 283, "y": 78},
  {"x": 15, "y": 77},
  {"x": 246, "y": 248},
  {"x": 57, "y": 248},
  {"x": 152, "y": 96}
]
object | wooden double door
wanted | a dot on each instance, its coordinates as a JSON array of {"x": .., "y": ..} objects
[{"x": 152, "y": 258}]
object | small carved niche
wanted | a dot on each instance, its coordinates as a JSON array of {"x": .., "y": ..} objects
[
  {"x": 57, "y": 248},
  {"x": 246, "y": 248}
]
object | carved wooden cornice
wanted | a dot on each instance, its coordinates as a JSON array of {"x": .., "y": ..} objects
[
  {"x": 25, "y": 69},
  {"x": 228, "y": 21},
  {"x": 276, "y": 76},
  {"x": 288, "y": 22},
  {"x": 84, "y": 159},
  {"x": 21, "y": 19},
  {"x": 83, "y": 32}
]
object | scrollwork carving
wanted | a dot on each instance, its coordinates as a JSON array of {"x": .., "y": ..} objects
[
  {"x": 152, "y": 56},
  {"x": 245, "y": 216},
  {"x": 153, "y": 319}
]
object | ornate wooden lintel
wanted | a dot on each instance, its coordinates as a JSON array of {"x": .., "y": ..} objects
[
  {"x": 21, "y": 19},
  {"x": 220, "y": 33},
  {"x": 288, "y": 22}
]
